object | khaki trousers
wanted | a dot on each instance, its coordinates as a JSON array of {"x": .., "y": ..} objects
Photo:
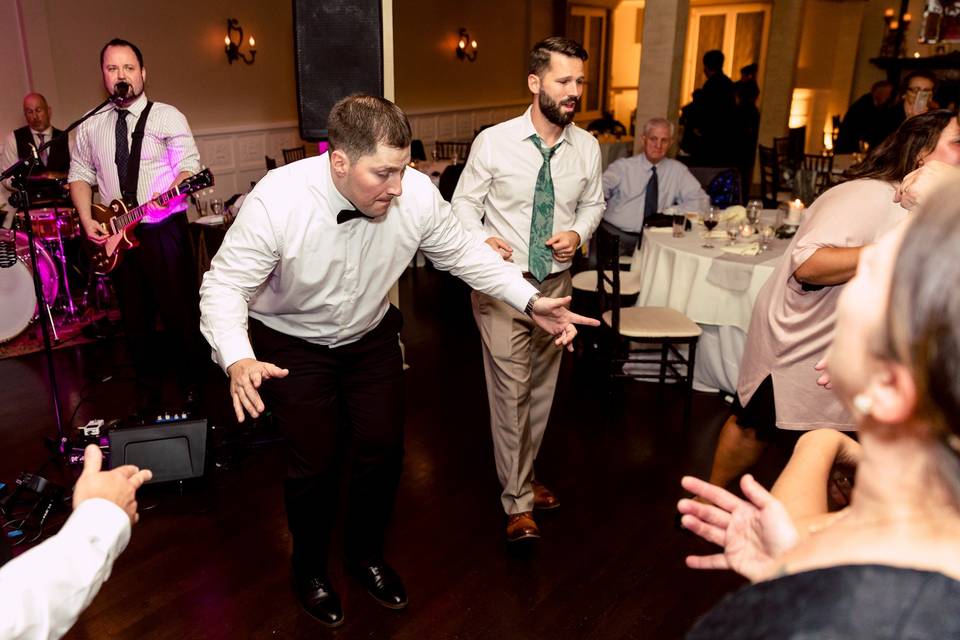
[{"x": 520, "y": 363}]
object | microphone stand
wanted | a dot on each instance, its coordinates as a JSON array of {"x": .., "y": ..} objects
[{"x": 18, "y": 173}]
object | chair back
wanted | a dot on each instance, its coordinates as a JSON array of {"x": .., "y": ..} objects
[
  {"x": 447, "y": 149},
  {"x": 449, "y": 179},
  {"x": 417, "y": 152},
  {"x": 722, "y": 184},
  {"x": 769, "y": 176},
  {"x": 292, "y": 155},
  {"x": 270, "y": 162},
  {"x": 608, "y": 273},
  {"x": 822, "y": 168}
]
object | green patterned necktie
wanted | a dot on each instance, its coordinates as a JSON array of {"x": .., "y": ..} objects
[{"x": 541, "y": 220}]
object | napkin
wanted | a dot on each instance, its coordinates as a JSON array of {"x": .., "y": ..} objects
[
  {"x": 750, "y": 249},
  {"x": 736, "y": 212},
  {"x": 659, "y": 229}
]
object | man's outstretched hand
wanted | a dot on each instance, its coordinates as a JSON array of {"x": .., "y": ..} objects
[{"x": 554, "y": 316}]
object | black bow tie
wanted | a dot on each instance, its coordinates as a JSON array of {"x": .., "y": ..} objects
[{"x": 346, "y": 215}]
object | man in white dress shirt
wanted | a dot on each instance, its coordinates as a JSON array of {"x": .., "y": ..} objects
[
  {"x": 306, "y": 268},
  {"x": 646, "y": 184},
  {"x": 531, "y": 190},
  {"x": 158, "y": 277},
  {"x": 45, "y": 589}
]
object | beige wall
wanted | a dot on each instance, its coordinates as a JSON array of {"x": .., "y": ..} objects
[
  {"x": 429, "y": 76},
  {"x": 825, "y": 62},
  {"x": 182, "y": 44},
  {"x": 625, "y": 59}
]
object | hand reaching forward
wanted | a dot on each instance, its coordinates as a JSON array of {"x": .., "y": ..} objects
[
  {"x": 753, "y": 534},
  {"x": 119, "y": 485},
  {"x": 555, "y": 318},
  {"x": 246, "y": 376}
]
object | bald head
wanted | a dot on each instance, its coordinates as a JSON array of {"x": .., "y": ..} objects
[{"x": 36, "y": 111}]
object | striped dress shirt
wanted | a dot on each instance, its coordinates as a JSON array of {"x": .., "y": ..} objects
[{"x": 168, "y": 149}]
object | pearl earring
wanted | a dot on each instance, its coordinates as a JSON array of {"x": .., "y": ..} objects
[{"x": 863, "y": 403}]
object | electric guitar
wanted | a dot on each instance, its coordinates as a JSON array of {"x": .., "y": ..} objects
[{"x": 119, "y": 222}]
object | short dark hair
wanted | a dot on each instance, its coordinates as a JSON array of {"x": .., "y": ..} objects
[
  {"x": 713, "y": 60},
  {"x": 358, "y": 123},
  {"x": 539, "y": 60},
  {"x": 120, "y": 42},
  {"x": 903, "y": 149}
]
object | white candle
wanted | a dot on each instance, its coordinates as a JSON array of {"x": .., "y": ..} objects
[
  {"x": 747, "y": 230},
  {"x": 793, "y": 216}
]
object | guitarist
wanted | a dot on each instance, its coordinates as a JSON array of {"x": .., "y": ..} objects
[{"x": 134, "y": 151}]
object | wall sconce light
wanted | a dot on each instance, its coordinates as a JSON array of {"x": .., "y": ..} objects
[
  {"x": 466, "y": 46},
  {"x": 233, "y": 48}
]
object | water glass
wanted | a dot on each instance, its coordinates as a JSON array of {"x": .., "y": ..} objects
[
  {"x": 754, "y": 207},
  {"x": 766, "y": 236},
  {"x": 216, "y": 207}
]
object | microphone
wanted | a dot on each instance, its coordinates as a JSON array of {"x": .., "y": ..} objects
[{"x": 120, "y": 91}]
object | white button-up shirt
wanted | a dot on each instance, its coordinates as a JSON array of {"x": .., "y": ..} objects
[
  {"x": 495, "y": 194},
  {"x": 45, "y": 589},
  {"x": 287, "y": 263},
  {"x": 167, "y": 150},
  {"x": 625, "y": 187}
]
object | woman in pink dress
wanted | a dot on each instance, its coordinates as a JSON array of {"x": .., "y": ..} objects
[{"x": 793, "y": 317}]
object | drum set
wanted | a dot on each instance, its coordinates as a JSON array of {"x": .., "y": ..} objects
[{"x": 56, "y": 227}]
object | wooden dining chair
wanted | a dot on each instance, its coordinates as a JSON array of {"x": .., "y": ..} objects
[
  {"x": 822, "y": 167},
  {"x": 771, "y": 187},
  {"x": 447, "y": 149},
  {"x": 270, "y": 162},
  {"x": 292, "y": 155},
  {"x": 631, "y": 331}
]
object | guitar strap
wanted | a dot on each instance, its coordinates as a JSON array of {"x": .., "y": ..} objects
[{"x": 129, "y": 189}]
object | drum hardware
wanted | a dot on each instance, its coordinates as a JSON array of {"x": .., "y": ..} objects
[{"x": 19, "y": 174}]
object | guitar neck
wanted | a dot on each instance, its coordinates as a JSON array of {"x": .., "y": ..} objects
[{"x": 135, "y": 215}]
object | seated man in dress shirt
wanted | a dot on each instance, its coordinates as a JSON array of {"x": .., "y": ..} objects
[
  {"x": 44, "y": 590},
  {"x": 306, "y": 268},
  {"x": 646, "y": 184}
]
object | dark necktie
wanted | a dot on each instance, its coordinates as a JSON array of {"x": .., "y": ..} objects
[
  {"x": 651, "y": 198},
  {"x": 346, "y": 215},
  {"x": 43, "y": 154},
  {"x": 122, "y": 155}
]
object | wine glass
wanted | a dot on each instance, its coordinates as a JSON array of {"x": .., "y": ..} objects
[
  {"x": 766, "y": 235},
  {"x": 754, "y": 207},
  {"x": 733, "y": 229},
  {"x": 711, "y": 218}
]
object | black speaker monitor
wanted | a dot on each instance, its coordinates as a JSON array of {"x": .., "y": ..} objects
[
  {"x": 172, "y": 451},
  {"x": 339, "y": 51}
]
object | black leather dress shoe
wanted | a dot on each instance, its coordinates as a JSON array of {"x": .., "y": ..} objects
[
  {"x": 383, "y": 583},
  {"x": 319, "y": 599}
]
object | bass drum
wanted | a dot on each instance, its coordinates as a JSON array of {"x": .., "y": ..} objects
[{"x": 19, "y": 305}]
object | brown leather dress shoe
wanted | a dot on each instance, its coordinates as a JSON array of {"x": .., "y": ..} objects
[
  {"x": 543, "y": 498},
  {"x": 520, "y": 526}
]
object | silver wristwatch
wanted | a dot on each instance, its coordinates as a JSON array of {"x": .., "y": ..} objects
[{"x": 532, "y": 301}]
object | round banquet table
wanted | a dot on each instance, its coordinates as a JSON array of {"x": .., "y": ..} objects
[{"x": 676, "y": 273}]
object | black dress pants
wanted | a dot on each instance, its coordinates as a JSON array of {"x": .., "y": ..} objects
[
  {"x": 358, "y": 386},
  {"x": 158, "y": 278}
]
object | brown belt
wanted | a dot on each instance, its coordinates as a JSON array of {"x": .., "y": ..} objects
[{"x": 527, "y": 274}]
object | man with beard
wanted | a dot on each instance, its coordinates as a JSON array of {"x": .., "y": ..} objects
[
  {"x": 159, "y": 276},
  {"x": 531, "y": 190}
]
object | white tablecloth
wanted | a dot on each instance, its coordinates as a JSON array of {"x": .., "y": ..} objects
[{"x": 673, "y": 273}]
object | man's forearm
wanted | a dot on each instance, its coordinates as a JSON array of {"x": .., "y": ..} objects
[{"x": 82, "y": 196}]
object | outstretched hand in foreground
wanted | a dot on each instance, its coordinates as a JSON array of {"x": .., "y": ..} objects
[{"x": 753, "y": 533}]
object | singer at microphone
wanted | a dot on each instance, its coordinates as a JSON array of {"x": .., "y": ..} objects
[{"x": 120, "y": 91}]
